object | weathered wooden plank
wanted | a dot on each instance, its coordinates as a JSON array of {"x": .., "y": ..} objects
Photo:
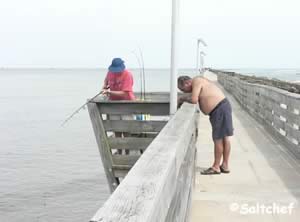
[
  {"x": 102, "y": 142},
  {"x": 133, "y": 126},
  {"x": 293, "y": 103},
  {"x": 292, "y": 118},
  {"x": 257, "y": 106},
  {"x": 129, "y": 143},
  {"x": 279, "y": 111},
  {"x": 124, "y": 160},
  {"x": 122, "y": 108},
  {"x": 144, "y": 135},
  {"x": 268, "y": 116},
  {"x": 261, "y": 111},
  {"x": 156, "y": 96},
  {"x": 122, "y": 167},
  {"x": 120, "y": 172},
  {"x": 279, "y": 96},
  {"x": 292, "y": 132},
  {"x": 263, "y": 92},
  {"x": 293, "y": 148},
  {"x": 269, "y": 104},
  {"x": 149, "y": 96},
  {"x": 278, "y": 123},
  {"x": 181, "y": 200},
  {"x": 147, "y": 191}
]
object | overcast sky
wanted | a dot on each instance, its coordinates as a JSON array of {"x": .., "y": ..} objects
[{"x": 77, "y": 33}]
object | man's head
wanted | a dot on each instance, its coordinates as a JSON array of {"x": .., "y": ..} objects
[{"x": 184, "y": 83}]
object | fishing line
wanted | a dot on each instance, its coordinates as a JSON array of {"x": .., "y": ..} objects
[{"x": 81, "y": 107}]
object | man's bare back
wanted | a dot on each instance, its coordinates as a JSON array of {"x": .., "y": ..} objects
[{"x": 209, "y": 94}]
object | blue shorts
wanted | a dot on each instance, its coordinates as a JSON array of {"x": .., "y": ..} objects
[{"x": 221, "y": 120}]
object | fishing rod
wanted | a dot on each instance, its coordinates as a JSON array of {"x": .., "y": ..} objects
[
  {"x": 140, "y": 60},
  {"x": 141, "y": 74},
  {"x": 81, "y": 107},
  {"x": 143, "y": 66}
]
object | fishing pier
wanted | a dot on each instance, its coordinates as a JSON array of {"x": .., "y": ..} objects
[{"x": 159, "y": 179}]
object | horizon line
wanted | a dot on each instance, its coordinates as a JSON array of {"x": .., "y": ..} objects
[{"x": 191, "y": 68}]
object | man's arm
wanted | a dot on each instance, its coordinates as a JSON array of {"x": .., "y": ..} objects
[
  {"x": 194, "y": 97},
  {"x": 196, "y": 89},
  {"x": 185, "y": 98},
  {"x": 105, "y": 84},
  {"x": 126, "y": 86}
]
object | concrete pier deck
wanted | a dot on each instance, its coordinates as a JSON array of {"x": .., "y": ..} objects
[{"x": 263, "y": 174}]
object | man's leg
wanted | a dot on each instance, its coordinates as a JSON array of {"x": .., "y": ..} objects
[
  {"x": 226, "y": 152},
  {"x": 219, "y": 149}
]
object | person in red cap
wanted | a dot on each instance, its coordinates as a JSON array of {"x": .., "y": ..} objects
[{"x": 118, "y": 85}]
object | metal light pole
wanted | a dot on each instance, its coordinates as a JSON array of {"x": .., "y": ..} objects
[
  {"x": 202, "y": 54},
  {"x": 204, "y": 44},
  {"x": 174, "y": 57}
]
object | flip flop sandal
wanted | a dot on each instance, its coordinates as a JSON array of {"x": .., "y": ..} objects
[
  {"x": 210, "y": 171},
  {"x": 223, "y": 170}
]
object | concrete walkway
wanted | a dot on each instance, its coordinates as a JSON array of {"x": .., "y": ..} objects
[{"x": 263, "y": 174}]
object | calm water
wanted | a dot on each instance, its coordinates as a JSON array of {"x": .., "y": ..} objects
[{"x": 49, "y": 172}]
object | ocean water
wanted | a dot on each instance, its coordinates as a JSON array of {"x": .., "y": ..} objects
[{"x": 48, "y": 172}]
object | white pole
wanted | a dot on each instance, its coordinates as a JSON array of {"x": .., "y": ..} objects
[
  {"x": 202, "y": 54},
  {"x": 201, "y": 62},
  {"x": 174, "y": 57},
  {"x": 197, "y": 62},
  {"x": 201, "y": 57}
]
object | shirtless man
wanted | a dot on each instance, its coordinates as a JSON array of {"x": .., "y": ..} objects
[{"x": 212, "y": 102}]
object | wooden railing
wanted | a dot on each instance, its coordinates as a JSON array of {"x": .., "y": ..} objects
[
  {"x": 277, "y": 109},
  {"x": 159, "y": 185},
  {"x": 135, "y": 135}
]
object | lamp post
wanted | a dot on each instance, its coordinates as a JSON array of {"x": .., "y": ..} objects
[
  {"x": 202, "y": 54},
  {"x": 174, "y": 57},
  {"x": 204, "y": 44}
]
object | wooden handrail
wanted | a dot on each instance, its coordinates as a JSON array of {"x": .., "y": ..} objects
[{"x": 159, "y": 186}]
